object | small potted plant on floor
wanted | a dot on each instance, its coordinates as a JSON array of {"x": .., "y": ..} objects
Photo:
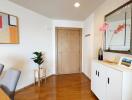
[{"x": 38, "y": 59}]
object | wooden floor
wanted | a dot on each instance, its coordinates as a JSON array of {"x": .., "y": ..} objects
[{"x": 61, "y": 87}]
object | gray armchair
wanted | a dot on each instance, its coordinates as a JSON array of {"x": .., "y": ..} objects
[
  {"x": 1, "y": 68},
  {"x": 9, "y": 82}
]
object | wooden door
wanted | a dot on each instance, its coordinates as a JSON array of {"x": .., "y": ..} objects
[{"x": 68, "y": 50}]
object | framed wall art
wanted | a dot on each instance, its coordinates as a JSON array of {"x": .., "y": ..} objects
[
  {"x": 9, "y": 29},
  {"x": 118, "y": 35}
]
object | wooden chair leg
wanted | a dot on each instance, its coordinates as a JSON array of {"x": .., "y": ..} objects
[
  {"x": 45, "y": 80},
  {"x": 45, "y": 77},
  {"x": 34, "y": 79}
]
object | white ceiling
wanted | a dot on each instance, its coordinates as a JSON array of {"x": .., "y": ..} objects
[{"x": 61, "y": 9}]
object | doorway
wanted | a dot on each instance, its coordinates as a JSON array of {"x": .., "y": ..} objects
[{"x": 68, "y": 50}]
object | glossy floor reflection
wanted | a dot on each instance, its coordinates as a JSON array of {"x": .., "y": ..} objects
[{"x": 61, "y": 87}]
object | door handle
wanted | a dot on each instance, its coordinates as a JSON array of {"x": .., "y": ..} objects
[
  {"x": 108, "y": 80},
  {"x": 98, "y": 74}
]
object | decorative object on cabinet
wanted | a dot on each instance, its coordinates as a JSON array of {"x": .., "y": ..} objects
[
  {"x": 126, "y": 61},
  {"x": 118, "y": 31},
  {"x": 104, "y": 27},
  {"x": 100, "y": 54},
  {"x": 9, "y": 29}
]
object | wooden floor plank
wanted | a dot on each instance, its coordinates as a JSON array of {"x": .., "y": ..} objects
[{"x": 60, "y": 87}]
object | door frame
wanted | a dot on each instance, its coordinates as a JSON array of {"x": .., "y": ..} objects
[{"x": 56, "y": 46}]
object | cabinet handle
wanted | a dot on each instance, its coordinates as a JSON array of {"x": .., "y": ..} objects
[
  {"x": 108, "y": 80},
  {"x": 98, "y": 74}
]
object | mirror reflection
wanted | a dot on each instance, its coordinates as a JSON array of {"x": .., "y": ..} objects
[{"x": 118, "y": 33}]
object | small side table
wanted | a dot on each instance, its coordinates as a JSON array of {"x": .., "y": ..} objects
[{"x": 39, "y": 75}]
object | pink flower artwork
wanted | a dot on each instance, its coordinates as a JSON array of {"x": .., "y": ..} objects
[
  {"x": 120, "y": 28},
  {"x": 104, "y": 27},
  {"x": 0, "y": 22}
]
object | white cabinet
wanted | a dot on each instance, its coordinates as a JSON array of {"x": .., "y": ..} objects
[
  {"x": 114, "y": 84},
  {"x": 94, "y": 78},
  {"x": 98, "y": 81},
  {"x": 108, "y": 83}
]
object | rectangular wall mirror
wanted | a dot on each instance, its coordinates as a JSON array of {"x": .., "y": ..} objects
[{"x": 118, "y": 36}]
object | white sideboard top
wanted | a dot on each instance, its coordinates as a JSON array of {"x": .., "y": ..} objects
[{"x": 115, "y": 66}]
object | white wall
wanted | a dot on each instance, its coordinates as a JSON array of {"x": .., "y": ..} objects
[
  {"x": 35, "y": 34},
  {"x": 68, "y": 23},
  {"x": 87, "y": 45}
]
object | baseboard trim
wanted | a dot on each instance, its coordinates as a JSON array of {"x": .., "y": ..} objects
[
  {"x": 86, "y": 76},
  {"x": 28, "y": 86},
  {"x": 32, "y": 84}
]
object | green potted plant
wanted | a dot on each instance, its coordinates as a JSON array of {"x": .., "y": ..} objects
[{"x": 38, "y": 58}]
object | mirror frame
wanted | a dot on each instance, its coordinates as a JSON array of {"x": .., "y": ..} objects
[{"x": 119, "y": 51}]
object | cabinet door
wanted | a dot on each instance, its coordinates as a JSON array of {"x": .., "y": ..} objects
[
  {"x": 94, "y": 77},
  {"x": 102, "y": 83},
  {"x": 98, "y": 80},
  {"x": 114, "y": 84}
]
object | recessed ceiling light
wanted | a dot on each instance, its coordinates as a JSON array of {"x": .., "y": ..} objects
[{"x": 76, "y": 4}]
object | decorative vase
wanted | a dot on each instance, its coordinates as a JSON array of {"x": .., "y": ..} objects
[
  {"x": 100, "y": 54},
  {"x": 108, "y": 48}
]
